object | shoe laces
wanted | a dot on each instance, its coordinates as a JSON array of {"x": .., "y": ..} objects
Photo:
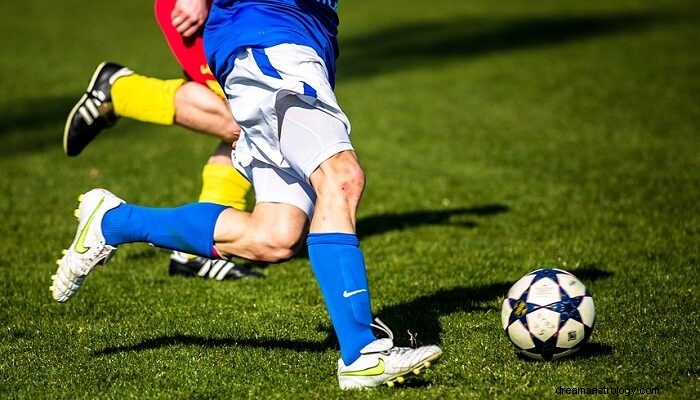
[
  {"x": 394, "y": 350},
  {"x": 382, "y": 327}
]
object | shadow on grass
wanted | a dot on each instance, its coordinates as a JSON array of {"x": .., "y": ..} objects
[
  {"x": 33, "y": 124},
  {"x": 589, "y": 350},
  {"x": 589, "y": 272},
  {"x": 422, "y": 314},
  {"x": 378, "y": 224},
  {"x": 199, "y": 341},
  {"x": 422, "y": 44}
]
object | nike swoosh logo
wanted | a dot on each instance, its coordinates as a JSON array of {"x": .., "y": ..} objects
[
  {"x": 80, "y": 243},
  {"x": 347, "y": 294},
  {"x": 372, "y": 371}
]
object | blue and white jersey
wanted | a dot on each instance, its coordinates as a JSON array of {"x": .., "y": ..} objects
[{"x": 237, "y": 24}]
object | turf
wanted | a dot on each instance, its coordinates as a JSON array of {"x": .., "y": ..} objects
[{"x": 497, "y": 137}]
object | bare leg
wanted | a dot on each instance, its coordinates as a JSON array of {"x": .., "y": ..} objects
[
  {"x": 200, "y": 109},
  {"x": 339, "y": 182},
  {"x": 273, "y": 232},
  {"x": 221, "y": 154}
]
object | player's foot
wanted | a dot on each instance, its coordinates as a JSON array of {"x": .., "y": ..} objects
[
  {"x": 189, "y": 265},
  {"x": 94, "y": 111},
  {"x": 88, "y": 248},
  {"x": 381, "y": 362}
]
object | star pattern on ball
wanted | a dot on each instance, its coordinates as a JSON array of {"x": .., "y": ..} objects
[{"x": 545, "y": 314}]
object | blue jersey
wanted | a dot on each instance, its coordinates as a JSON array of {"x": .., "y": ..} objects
[{"x": 237, "y": 24}]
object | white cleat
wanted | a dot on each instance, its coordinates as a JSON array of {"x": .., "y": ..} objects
[
  {"x": 381, "y": 362},
  {"x": 88, "y": 248}
]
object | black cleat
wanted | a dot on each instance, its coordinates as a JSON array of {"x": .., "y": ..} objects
[
  {"x": 94, "y": 111},
  {"x": 193, "y": 266}
]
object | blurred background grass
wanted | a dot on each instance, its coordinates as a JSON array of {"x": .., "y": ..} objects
[{"x": 496, "y": 137}]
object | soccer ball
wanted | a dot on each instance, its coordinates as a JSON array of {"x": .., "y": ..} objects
[{"x": 548, "y": 314}]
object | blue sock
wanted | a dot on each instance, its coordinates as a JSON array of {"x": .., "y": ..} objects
[
  {"x": 189, "y": 228},
  {"x": 337, "y": 262}
]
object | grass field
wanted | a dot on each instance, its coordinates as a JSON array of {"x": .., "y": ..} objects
[{"x": 497, "y": 138}]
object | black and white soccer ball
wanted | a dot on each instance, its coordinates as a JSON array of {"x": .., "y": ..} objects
[{"x": 548, "y": 314}]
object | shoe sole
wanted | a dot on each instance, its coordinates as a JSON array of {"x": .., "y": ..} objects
[
  {"x": 406, "y": 376},
  {"x": 77, "y": 106}
]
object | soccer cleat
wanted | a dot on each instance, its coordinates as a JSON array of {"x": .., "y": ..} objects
[
  {"x": 188, "y": 265},
  {"x": 88, "y": 248},
  {"x": 381, "y": 362},
  {"x": 94, "y": 111}
]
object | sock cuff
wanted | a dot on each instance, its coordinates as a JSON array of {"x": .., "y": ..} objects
[
  {"x": 223, "y": 184},
  {"x": 205, "y": 216},
  {"x": 145, "y": 99},
  {"x": 219, "y": 170},
  {"x": 339, "y": 238}
]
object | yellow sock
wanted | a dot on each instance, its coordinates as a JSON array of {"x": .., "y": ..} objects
[
  {"x": 223, "y": 184},
  {"x": 145, "y": 99}
]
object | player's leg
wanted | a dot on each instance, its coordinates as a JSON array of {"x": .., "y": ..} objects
[
  {"x": 153, "y": 100},
  {"x": 281, "y": 213},
  {"x": 199, "y": 108},
  {"x": 328, "y": 159},
  {"x": 271, "y": 233},
  {"x": 308, "y": 137},
  {"x": 115, "y": 91},
  {"x": 221, "y": 184}
]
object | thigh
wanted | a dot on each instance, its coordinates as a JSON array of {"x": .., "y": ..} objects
[
  {"x": 274, "y": 184},
  {"x": 258, "y": 87},
  {"x": 309, "y": 135}
]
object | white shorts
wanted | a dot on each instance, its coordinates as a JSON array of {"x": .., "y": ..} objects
[{"x": 289, "y": 118}]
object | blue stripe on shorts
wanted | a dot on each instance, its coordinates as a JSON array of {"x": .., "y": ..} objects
[
  {"x": 264, "y": 63},
  {"x": 308, "y": 90}
]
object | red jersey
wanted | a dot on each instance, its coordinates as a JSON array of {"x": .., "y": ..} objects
[{"x": 189, "y": 52}]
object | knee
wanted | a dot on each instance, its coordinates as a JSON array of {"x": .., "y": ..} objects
[
  {"x": 229, "y": 132},
  {"x": 342, "y": 177},
  {"x": 353, "y": 186},
  {"x": 229, "y": 129},
  {"x": 353, "y": 181}
]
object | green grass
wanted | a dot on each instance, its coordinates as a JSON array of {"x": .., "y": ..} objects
[{"x": 497, "y": 137}]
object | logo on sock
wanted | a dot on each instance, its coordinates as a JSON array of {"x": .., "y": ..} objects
[{"x": 347, "y": 294}]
